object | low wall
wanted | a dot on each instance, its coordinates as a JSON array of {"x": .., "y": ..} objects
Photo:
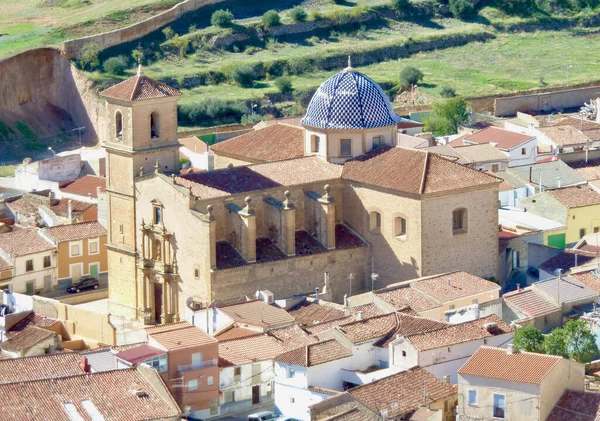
[
  {"x": 72, "y": 48},
  {"x": 85, "y": 297}
]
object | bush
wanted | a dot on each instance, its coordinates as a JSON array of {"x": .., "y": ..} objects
[
  {"x": 447, "y": 92},
  {"x": 211, "y": 109},
  {"x": 221, "y": 18},
  {"x": 181, "y": 44},
  {"x": 298, "y": 14},
  {"x": 461, "y": 9},
  {"x": 116, "y": 65},
  {"x": 270, "y": 19},
  {"x": 401, "y": 6},
  {"x": 410, "y": 76},
  {"x": 284, "y": 84},
  {"x": 89, "y": 56},
  {"x": 169, "y": 32},
  {"x": 243, "y": 76}
]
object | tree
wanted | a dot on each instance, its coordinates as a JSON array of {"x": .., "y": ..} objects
[
  {"x": 461, "y": 9},
  {"x": 115, "y": 65},
  {"x": 284, "y": 84},
  {"x": 436, "y": 125},
  {"x": 581, "y": 342},
  {"x": 181, "y": 43},
  {"x": 528, "y": 338},
  {"x": 243, "y": 76},
  {"x": 447, "y": 92},
  {"x": 169, "y": 32},
  {"x": 446, "y": 115},
  {"x": 89, "y": 56},
  {"x": 298, "y": 14},
  {"x": 410, "y": 76},
  {"x": 270, "y": 19},
  {"x": 556, "y": 343},
  {"x": 138, "y": 55},
  {"x": 221, "y": 18},
  {"x": 401, "y": 7}
]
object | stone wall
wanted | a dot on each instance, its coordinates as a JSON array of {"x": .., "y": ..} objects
[{"x": 72, "y": 48}]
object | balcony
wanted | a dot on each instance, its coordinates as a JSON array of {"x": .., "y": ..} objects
[{"x": 196, "y": 366}]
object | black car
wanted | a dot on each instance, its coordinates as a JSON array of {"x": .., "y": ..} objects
[{"x": 87, "y": 282}]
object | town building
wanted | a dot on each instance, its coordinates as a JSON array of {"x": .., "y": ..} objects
[
  {"x": 197, "y": 152},
  {"x": 501, "y": 383},
  {"x": 85, "y": 189},
  {"x": 81, "y": 250},
  {"x": 283, "y": 225},
  {"x": 547, "y": 176},
  {"x": 576, "y": 405},
  {"x": 44, "y": 367},
  {"x": 512, "y": 189},
  {"x": 513, "y": 256},
  {"x": 521, "y": 221},
  {"x": 484, "y": 157},
  {"x": 42, "y": 208}
]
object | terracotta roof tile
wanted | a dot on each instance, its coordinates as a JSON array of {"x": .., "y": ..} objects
[
  {"x": 37, "y": 368},
  {"x": 521, "y": 367},
  {"x": 410, "y": 325},
  {"x": 4, "y": 265},
  {"x": 367, "y": 310},
  {"x": 589, "y": 279},
  {"x": 229, "y": 181},
  {"x": 250, "y": 349},
  {"x": 139, "y": 354},
  {"x": 403, "y": 296},
  {"x": 33, "y": 320},
  {"x": 360, "y": 331},
  {"x": 501, "y": 138},
  {"x": 290, "y": 121},
  {"x": 257, "y": 313},
  {"x": 310, "y": 312},
  {"x": 273, "y": 143},
  {"x": 529, "y": 302},
  {"x": 322, "y": 327},
  {"x": 459, "y": 333},
  {"x": 481, "y": 152},
  {"x": 576, "y": 196},
  {"x": 234, "y": 332},
  {"x": 26, "y": 339},
  {"x": 77, "y": 231},
  {"x": 111, "y": 393},
  {"x": 591, "y": 172},
  {"x": 323, "y": 391},
  {"x": 292, "y": 337},
  {"x": 86, "y": 185},
  {"x": 24, "y": 241},
  {"x": 452, "y": 286},
  {"x": 62, "y": 206},
  {"x": 178, "y": 335},
  {"x": 576, "y": 405},
  {"x": 315, "y": 354},
  {"x": 566, "y": 260},
  {"x": 138, "y": 88},
  {"x": 402, "y": 393},
  {"x": 564, "y": 135}
]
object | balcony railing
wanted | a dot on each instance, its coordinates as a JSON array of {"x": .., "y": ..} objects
[{"x": 191, "y": 367}]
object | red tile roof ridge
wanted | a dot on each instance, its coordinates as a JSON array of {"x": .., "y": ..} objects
[
  {"x": 69, "y": 376},
  {"x": 131, "y": 89},
  {"x": 168, "y": 327},
  {"x": 244, "y": 338}
]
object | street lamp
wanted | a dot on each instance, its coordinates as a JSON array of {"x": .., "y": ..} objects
[
  {"x": 568, "y": 67},
  {"x": 52, "y": 150}
]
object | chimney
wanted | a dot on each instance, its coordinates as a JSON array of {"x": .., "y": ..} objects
[
  {"x": 518, "y": 287},
  {"x": 84, "y": 365},
  {"x": 70, "y": 211},
  {"x": 509, "y": 349},
  {"x": 576, "y": 255},
  {"x": 345, "y": 300},
  {"x": 359, "y": 316},
  {"x": 316, "y": 294},
  {"x": 558, "y": 181}
]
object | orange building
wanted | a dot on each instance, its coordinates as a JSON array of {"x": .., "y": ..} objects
[{"x": 81, "y": 249}]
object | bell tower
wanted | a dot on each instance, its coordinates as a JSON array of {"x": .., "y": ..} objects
[{"x": 140, "y": 134}]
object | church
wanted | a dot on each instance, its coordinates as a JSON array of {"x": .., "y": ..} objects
[{"x": 349, "y": 204}]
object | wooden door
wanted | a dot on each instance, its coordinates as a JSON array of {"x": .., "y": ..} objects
[{"x": 255, "y": 394}]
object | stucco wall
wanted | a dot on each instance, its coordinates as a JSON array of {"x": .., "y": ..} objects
[{"x": 65, "y": 261}]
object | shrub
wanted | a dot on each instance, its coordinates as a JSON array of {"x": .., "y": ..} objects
[
  {"x": 461, "y": 9},
  {"x": 298, "y": 14},
  {"x": 410, "y": 76},
  {"x": 447, "y": 92},
  {"x": 181, "y": 43},
  {"x": 243, "y": 76},
  {"x": 252, "y": 49},
  {"x": 270, "y": 19},
  {"x": 401, "y": 5},
  {"x": 221, "y": 18},
  {"x": 169, "y": 32},
  {"x": 115, "y": 65},
  {"x": 316, "y": 15},
  {"x": 89, "y": 56},
  {"x": 209, "y": 110},
  {"x": 284, "y": 84}
]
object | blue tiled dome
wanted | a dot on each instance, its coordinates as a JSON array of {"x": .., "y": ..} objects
[{"x": 350, "y": 100}]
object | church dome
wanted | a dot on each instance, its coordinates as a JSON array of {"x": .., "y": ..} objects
[{"x": 350, "y": 100}]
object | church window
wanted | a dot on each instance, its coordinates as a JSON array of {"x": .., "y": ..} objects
[
  {"x": 156, "y": 250},
  {"x": 346, "y": 147},
  {"x": 154, "y": 125},
  {"x": 119, "y": 125},
  {"x": 400, "y": 227},
  {"x": 377, "y": 142},
  {"x": 314, "y": 143},
  {"x": 157, "y": 215},
  {"x": 459, "y": 221},
  {"x": 374, "y": 221}
]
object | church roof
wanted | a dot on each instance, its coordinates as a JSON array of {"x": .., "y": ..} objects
[
  {"x": 138, "y": 88},
  {"x": 413, "y": 171},
  {"x": 350, "y": 100}
]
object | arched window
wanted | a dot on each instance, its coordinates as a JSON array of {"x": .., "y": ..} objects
[
  {"x": 400, "y": 227},
  {"x": 459, "y": 221},
  {"x": 119, "y": 125},
  {"x": 314, "y": 143},
  {"x": 374, "y": 221},
  {"x": 154, "y": 125}
]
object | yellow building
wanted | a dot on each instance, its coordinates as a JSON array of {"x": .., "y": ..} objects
[{"x": 81, "y": 249}]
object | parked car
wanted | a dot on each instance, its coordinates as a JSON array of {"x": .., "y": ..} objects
[
  {"x": 263, "y": 416},
  {"x": 284, "y": 418},
  {"x": 87, "y": 282}
]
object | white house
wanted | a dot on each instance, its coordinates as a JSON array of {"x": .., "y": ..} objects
[
  {"x": 442, "y": 352},
  {"x": 308, "y": 375},
  {"x": 197, "y": 152},
  {"x": 32, "y": 257}
]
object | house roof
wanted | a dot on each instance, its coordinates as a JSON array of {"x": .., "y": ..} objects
[
  {"x": 402, "y": 393},
  {"x": 576, "y": 405},
  {"x": 408, "y": 141},
  {"x": 359, "y": 331},
  {"x": 139, "y": 354},
  {"x": 512, "y": 218},
  {"x": 260, "y": 347},
  {"x": 257, "y": 313},
  {"x": 77, "y": 231},
  {"x": 4, "y": 265},
  {"x": 448, "y": 151},
  {"x": 413, "y": 171},
  {"x": 481, "y": 153},
  {"x": 233, "y": 332},
  {"x": 22, "y": 241},
  {"x": 229, "y": 181},
  {"x": 179, "y": 335},
  {"x": 550, "y": 173},
  {"x": 460, "y": 333},
  {"x": 291, "y": 121},
  {"x": 86, "y": 185},
  {"x": 27, "y": 338},
  {"x": 567, "y": 259},
  {"x": 292, "y": 336},
  {"x": 454, "y": 285},
  {"x": 589, "y": 172},
  {"x": 273, "y": 143},
  {"x": 500, "y": 138},
  {"x": 16, "y": 370},
  {"x": 508, "y": 177},
  {"x": 589, "y": 279},
  {"x": 367, "y": 310},
  {"x": 576, "y": 196},
  {"x": 310, "y": 312},
  {"x": 410, "y": 325},
  {"x": 33, "y": 319},
  {"x": 315, "y": 354},
  {"x": 139, "y": 88},
  {"x": 403, "y": 295},
  {"x": 322, "y": 327},
  {"x": 521, "y": 367},
  {"x": 530, "y": 302},
  {"x": 565, "y": 289},
  {"x": 111, "y": 394},
  {"x": 564, "y": 135}
]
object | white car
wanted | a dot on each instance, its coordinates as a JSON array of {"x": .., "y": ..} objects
[{"x": 263, "y": 416}]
